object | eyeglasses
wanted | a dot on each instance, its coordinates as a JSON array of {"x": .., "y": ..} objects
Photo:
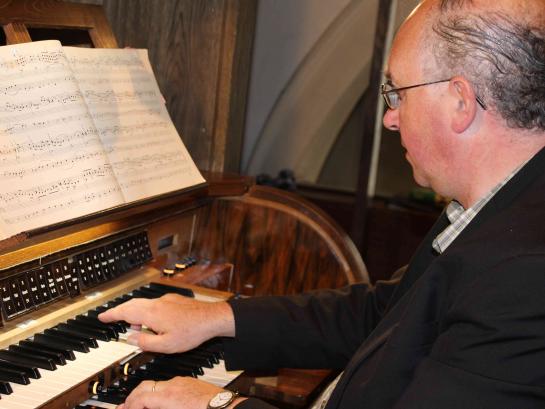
[{"x": 392, "y": 99}]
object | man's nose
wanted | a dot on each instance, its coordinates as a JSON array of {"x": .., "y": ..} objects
[{"x": 391, "y": 119}]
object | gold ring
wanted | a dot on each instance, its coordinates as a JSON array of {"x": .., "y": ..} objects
[{"x": 153, "y": 386}]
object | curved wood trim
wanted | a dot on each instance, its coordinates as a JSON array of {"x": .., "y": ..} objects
[{"x": 339, "y": 242}]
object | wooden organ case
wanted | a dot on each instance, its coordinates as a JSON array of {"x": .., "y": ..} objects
[{"x": 245, "y": 239}]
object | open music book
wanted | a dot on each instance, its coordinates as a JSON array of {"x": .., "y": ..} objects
[{"x": 82, "y": 130}]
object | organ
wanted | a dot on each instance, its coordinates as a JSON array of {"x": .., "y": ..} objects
[{"x": 245, "y": 239}]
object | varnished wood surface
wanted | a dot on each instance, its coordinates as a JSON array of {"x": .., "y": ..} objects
[
  {"x": 50, "y": 239},
  {"x": 200, "y": 51},
  {"x": 278, "y": 243},
  {"x": 16, "y": 15}
]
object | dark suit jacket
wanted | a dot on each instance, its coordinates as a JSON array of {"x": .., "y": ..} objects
[{"x": 464, "y": 329}]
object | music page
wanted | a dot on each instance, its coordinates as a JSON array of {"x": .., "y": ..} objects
[
  {"x": 52, "y": 163},
  {"x": 145, "y": 151}
]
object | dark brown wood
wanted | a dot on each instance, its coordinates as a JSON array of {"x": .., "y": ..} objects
[
  {"x": 369, "y": 120},
  {"x": 285, "y": 388},
  {"x": 278, "y": 243},
  {"x": 16, "y": 15},
  {"x": 200, "y": 51},
  {"x": 227, "y": 184}
]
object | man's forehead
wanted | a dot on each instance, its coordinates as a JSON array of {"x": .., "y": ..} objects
[{"x": 407, "y": 45}]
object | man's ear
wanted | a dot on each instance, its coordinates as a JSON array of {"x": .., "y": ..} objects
[{"x": 464, "y": 104}]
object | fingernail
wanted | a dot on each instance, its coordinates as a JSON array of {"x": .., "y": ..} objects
[{"x": 132, "y": 340}]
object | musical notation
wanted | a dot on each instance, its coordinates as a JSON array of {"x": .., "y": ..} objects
[
  {"x": 137, "y": 134},
  {"x": 19, "y": 59},
  {"x": 82, "y": 130}
]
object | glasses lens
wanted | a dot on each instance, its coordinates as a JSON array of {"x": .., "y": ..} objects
[{"x": 393, "y": 99}]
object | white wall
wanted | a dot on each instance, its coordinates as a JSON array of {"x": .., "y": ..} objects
[{"x": 286, "y": 30}]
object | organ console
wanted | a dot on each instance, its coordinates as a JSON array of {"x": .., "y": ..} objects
[{"x": 245, "y": 239}]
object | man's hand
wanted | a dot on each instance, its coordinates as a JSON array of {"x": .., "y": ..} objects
[
  {"x": 180, "y": 323},
  {"x": 177, "y": 393}
]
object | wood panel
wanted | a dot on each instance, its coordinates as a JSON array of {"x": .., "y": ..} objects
[
  {"x": 277, "y": 242},
  {"x": 200, "y": 51},
  {"x": 17, "y": 15}
]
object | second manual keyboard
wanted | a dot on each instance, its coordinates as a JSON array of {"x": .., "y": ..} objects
[{"x": 82, "y": 353}]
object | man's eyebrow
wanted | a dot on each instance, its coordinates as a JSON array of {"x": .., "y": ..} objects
[{"x": 388, "y": 77}]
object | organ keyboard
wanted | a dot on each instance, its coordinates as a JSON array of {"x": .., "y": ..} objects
[
  {"x": 92, "y": 356},
  {"x": 272, "y": 241},
  {"x": 53, "y": 275}
]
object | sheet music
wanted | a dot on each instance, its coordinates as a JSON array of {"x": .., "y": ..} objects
[
  {"x": 52, "y": 163},
  {"x": 145, "y": 151}
]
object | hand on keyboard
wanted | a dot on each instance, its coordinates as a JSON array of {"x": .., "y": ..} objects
[
  {"x": 178, "y": 323},
  {"x": 176, "y": 393}
]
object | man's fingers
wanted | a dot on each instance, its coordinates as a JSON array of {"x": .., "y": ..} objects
[
  {"x": 145, "y": 400},
  {"x": 149, "y": 342},
  {"x": 134, "y": 311},
  {"x": 144, "y": 396}
]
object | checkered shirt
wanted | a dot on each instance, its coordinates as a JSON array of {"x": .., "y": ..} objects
[{"x": 459, "y": 217}]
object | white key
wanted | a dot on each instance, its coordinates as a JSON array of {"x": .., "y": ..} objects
[
  {"x": 65, "y": 377},
  {"x": 218, "y": 375}
]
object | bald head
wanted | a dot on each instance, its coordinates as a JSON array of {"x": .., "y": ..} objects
[{"x": 499, "y": 46}]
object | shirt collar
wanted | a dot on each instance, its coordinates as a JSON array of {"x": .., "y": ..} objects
[{"x": 460, "y": 218}]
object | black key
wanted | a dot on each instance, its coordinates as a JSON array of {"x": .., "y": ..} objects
[
  {"x": 143, "y": 375},
  {"x": 213, "y": 346},
  {"x": 112, "y": 396},
  {"x": 187, "y": 292},
  {"x": 116, "y": 302},
  {"x": 73, "y": 335},
  {"x": 29, "y": 371},
  {"x": 128, "y": 384},
  {"x": 117, "y": 327},
  {"x": 101, "y": 309},
  {"x": 10, "y": 375},
  {"x": 168, "y": 364},
  {"x": 93, "y": 323},
  {"x": 56, "y": 357},
  {"x": 58, "y": 341},
  {"x": 209, "y": 355},
  {"x": 170, "y": 371},
  {"x": 26, "y": 359},
  {"x": 47, "y": 346},
  {"x": 85, "y": 331},
  {"x": 5, "y": 388},
  {"x": 191, "y": 360},
  {"x": 144, "y": 292}
]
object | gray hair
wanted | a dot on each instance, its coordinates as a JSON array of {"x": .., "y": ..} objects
[{"x": 503, "y": 58}]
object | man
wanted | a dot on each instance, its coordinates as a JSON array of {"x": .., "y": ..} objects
[{"x": 463, "y": 327}]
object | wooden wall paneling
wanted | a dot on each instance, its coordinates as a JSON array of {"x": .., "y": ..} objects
[
  {"x": 237, "y": 45},
  {"x": 200, "y": 51}
]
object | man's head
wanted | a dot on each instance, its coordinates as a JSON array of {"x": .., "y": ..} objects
[{"x": 492, "y": 54}]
